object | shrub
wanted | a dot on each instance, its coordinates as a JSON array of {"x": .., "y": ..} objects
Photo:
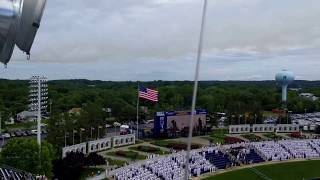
[
  {"x": 127, "y": 154},
  {"x": 296, "y": 135},
  {"x": 232, "y": 140},
  {"x": 252, "y": 137},
  {"x": 94, "y": 159}
]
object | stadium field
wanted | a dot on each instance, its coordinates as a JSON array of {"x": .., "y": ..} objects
[{"x": 298, "y": 170}]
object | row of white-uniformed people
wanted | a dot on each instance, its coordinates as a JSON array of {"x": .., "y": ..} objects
[
  {"x": 171, "y": 166},
  {"x": 135, "y": 173},
  {"x": 315, "y": 144},
  {"x": 272, "y": 150},
  {"x": 288, "y": 149},
  {"x": 168, "y": 168},
  {"x": 300, "y": 149}
]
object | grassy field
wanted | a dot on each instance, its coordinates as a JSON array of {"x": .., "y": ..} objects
[
  {"x": 127, "y": 154},
  {"x": 177, "y": 145},
  {"x": 116, "y": 162},
  {"x": 301, "y": 170},
  {"x": 148, "y": 149},
  {"x": 273, "y": 136},
  {"x": 252, "y": 137},
  {"x": 217, "y": 136}
]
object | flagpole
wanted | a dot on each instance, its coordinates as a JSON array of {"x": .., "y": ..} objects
[
  {"x": 195, "y": 89},
  {"x": 73, "y": 137},
  {"x": 138, "y": 101}
]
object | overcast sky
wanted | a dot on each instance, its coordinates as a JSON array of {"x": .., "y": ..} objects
[{"x": 157, "y": 40}]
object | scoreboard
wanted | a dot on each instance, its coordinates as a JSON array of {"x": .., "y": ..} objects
[{"x": 163, "y": 121}]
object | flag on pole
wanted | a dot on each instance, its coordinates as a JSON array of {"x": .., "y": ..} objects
[
  {"x": 82, "y": 129},
  {"x": 148, "y": 94}
]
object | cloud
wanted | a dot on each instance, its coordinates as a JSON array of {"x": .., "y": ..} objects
[{"x": 164, "y": 33}]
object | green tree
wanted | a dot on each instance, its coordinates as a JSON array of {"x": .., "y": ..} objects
[{"x": 23, "y": 153}]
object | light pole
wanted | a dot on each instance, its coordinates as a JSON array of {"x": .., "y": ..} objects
[
  {"x": 65, "y": 138},
  {"x": 38, "y": 100},
  {"x": 255, "y": 118},
  {"x": 99, "y": 131},
  {"x": 50, "y": 107},
  {"x": 80, "y": 133},
  {"x": 73, "y": 132},
  {"x": 0, "y": 129},
  {"x": 245, "y": 119},
  {"x": 0, "y": 122},
  {"x": 92, "y": 128}
]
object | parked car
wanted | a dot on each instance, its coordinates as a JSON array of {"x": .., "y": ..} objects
[
  {"x": 24, "y": 133},
  {"x": 6, "y": 135},
  {"x": 34, "y": 132},
  {"x": 18, "y": 134},
  {"x": 12, "y": 134},
  {"x": 29, "y": 133}
]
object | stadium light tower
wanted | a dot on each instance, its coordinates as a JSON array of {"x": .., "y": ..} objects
[
  {"x": 284, "y": 78},
  {"x": 19, "y": 22},
  {"x": 38, "y": 100}
]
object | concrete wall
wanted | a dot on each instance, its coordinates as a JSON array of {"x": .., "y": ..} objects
[
  {"x": 99, "y": 145},
  {"x": 286, "y": 128},
  {"x": 263, "y": 128},
  {"x": 239, "y": 129},
  {"x": 74, "y": 148},
  {"x": 123, "y": 140}
]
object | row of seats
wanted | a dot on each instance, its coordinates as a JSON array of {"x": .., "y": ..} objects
[
  {"x": 300, "y": 149},
  {"x": 218, "y": 159},
  {"x": 209, "y": 159},
  {"x": 12, "y": 174}
]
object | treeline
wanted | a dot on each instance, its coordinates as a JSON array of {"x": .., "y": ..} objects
[{"x": 234, "y": 97}]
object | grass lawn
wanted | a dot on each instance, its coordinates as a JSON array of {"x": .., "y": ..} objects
[
  {"x": 217, "y": 136},
  {"x": 252, "y": 137},
  {"x": 139, "y": 141},
  {"x": 88, "y": 172},
  {"x": 127, "y": 154},
  {"x": 177, "y": 145},
  {"x": 284, "y": 171},
  {"x": 148, "y": 149},
  {"x": 116, "y": 162},
  {"x": 273, "y": 136}
]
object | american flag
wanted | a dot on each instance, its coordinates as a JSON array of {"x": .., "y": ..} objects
[{"x": 149, "y": 94}]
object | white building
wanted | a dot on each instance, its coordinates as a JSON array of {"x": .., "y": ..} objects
[
  {"x": 27, "y": 116},
  {"x": 309, "y": 96}
]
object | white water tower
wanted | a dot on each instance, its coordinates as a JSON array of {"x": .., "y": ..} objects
[{"x": 284, "y": 78}]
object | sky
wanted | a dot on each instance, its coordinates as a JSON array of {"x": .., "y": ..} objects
[{"x": 149, "y": 40}]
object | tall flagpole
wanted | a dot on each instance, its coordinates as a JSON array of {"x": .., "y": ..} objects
[
  {"x": 195, "y": 89},
  {"x": 138, "y": 99}
]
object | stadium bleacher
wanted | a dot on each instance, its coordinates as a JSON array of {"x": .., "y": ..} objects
[
  {"x": 8, "y": 173},
  {"x": 211, "y": 159},
  {"x": 218, "y": 159},
  {"x": 253, "y": 157}
]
